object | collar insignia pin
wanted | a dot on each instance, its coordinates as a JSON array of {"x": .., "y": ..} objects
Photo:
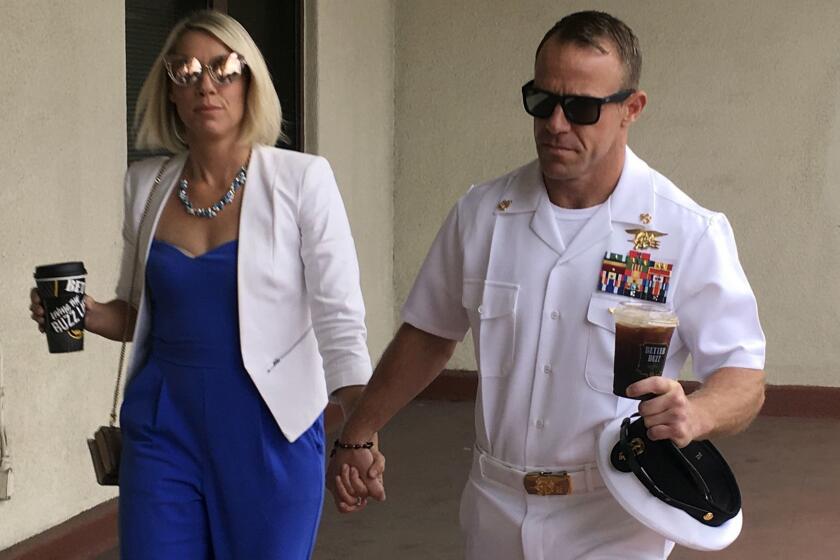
[
  {"x": 503, "y": 205},
  {"x": 645, "y": 239}
]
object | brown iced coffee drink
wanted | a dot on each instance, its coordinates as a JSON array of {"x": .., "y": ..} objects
[{"x": 642, "y": 336}]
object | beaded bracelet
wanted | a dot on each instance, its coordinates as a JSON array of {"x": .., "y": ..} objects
[{"x": 342, "y": 445}]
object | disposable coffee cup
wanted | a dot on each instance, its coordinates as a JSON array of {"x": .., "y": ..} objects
[
  {"x": 642, "y": 337},
  {"x": 62, "y": 290}
]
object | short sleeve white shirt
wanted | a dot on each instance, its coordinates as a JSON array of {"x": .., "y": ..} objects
[{"x": 540, "y": 313}]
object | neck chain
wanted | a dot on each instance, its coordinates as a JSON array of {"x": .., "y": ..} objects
[{"x": 214, "y": 209}]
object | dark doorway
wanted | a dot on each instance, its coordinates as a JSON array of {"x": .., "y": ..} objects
[{"x": 276, "y": 26}]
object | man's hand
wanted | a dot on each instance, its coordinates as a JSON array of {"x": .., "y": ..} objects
[
  {"x": 349, "y": 487},
  {"x": 670, "y": 414},
  {"x": 411, "y": 361},
  {"x": 726, "y": 404}
]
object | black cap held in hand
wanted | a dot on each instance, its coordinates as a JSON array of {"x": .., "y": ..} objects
[{"x": 695, "y": 479}]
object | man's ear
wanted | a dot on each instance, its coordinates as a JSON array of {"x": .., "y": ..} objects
[{"x": 634, "y": 105}]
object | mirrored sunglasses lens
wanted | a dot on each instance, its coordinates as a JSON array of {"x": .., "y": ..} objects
[
  {"x": 582, "y": 110},
  {"x": 226, "y": 68},
  {"x": 184, "y": 71}
]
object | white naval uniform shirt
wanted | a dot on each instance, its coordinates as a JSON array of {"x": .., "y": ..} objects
[{"x": 542, "y": 328}]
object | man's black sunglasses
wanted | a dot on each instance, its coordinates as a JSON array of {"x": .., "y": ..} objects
[{"x": 579, "y": 109}]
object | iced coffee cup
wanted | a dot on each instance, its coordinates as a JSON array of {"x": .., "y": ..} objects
[
  {"x": 62, "y": 290},
  {"x": 642, "y": 336}
]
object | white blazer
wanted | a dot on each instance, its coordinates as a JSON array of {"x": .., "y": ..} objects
[{"x": 301, "y": 314}]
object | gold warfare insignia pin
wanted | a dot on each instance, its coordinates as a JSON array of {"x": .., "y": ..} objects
[
  {"x": 503, "y": 205},
  {"x": 644, "y": 238}
]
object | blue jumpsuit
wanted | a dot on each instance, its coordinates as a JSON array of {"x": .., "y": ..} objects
[{"x": 206, "y": 472}]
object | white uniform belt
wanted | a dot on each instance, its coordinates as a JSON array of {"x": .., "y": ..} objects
[{"x": 542, "y": 481}]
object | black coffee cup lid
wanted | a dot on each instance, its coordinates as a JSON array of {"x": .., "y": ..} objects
[{"x": 60, "y": 270}]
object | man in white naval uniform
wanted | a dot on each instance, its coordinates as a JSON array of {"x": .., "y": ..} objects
[{"x": 532, "y": 263}]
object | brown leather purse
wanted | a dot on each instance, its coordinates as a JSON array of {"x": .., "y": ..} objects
[{"x": 106, "y": 444}]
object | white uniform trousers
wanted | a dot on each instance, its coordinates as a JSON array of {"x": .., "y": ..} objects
[{"x": 503, "y": 522}]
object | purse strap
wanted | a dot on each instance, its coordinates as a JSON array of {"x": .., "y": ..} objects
[{"x": 113, "y": 420}]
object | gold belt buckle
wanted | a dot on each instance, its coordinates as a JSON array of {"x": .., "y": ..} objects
[{"x": 545, "y": 483}]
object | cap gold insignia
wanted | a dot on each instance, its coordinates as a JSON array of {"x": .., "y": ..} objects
[
  {"x": 645, "y": 239},
  {"x": 504, "y": 205},
  {"x": 638, "y": 447}
]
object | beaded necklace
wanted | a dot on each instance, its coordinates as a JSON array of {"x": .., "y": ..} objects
[{"x": 212, "y": 210}]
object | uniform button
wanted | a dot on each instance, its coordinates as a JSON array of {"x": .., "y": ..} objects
[
  {"x": 547, "y": 369},
  {"x": 540, "y": 424},
  {"x": 555, "y": 315},
  {"x": 480, "y": 310}
]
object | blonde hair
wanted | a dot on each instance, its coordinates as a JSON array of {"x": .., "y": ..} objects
[{"x": 155, "y": 118}]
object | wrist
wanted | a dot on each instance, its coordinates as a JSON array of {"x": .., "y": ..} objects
[
  {"x": 703, "y": 424},
  {"x": 348, "y": 397},
  {"x": 340, "y": 445},
  {"x": 92, "y": 315},
  {"x": 352, "y": 434}
]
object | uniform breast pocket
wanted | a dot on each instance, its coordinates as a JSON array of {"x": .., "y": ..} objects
[
  {"x": 491, "y": 307},
  {"x": 600, "y": 347}
]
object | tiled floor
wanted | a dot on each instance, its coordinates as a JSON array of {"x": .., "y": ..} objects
[{"x": 788, "y": 470}]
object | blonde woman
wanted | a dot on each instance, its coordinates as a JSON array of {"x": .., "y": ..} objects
[{"x": 246, "y": 313}]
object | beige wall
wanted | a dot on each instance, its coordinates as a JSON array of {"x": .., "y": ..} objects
[
  {"x": 349, "y": 80},
  {"x": 62, "y": 101},
  {"x": 743, "y": 115}
]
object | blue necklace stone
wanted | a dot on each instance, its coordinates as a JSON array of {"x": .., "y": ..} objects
[{"x": 214, "y": 209}]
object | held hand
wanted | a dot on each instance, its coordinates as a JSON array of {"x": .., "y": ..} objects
[
  {"x": 670, "y": 414},
  {"x": 351, "y": 489},
  {"x": 344, "y": 494}
]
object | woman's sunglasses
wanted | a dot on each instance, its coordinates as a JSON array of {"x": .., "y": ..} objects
[
  {"x": 186, "y": 71},
  {"x": 578, "y": 109}
]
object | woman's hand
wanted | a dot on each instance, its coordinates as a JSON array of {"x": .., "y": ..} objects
[
  {"x": 39, "y": 314},
  {"x": 354, "y": 475},
  {"x": 349, "y": 487},
  {"x": 36, "y": 308},
  {"x": 104, "y": 319}
]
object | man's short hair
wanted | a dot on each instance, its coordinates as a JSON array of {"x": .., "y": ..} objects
[{"x": 591, "y": 29}]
